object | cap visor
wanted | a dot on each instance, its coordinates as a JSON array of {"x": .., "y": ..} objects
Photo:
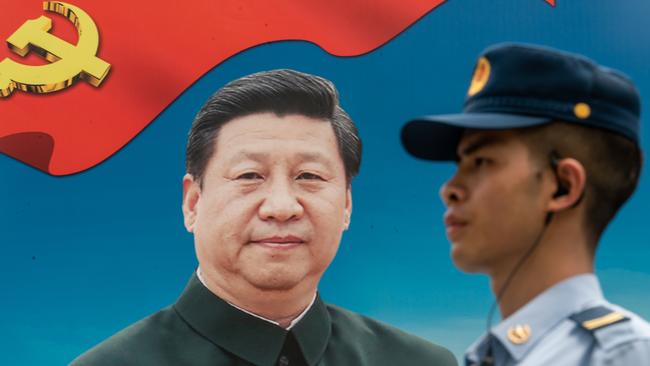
[{"x": 437, "y": 137}]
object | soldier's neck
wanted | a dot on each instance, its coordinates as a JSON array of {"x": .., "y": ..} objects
[{"x": 562, "y": 253}]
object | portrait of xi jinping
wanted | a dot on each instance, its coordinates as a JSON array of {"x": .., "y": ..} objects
[{"x": 267, "y": 196}]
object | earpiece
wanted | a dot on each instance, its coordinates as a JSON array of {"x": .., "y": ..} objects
[{"x": 561, "y": 188}]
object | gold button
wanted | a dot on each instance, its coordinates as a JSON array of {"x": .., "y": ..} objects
[
  {"x": 582, "y": 110},
  {"x": 519, "y": 334}
]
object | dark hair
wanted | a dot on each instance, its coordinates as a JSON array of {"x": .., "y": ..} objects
[
  {"x": 611, "y": 161},
  {"x": 282, "y": 92}
]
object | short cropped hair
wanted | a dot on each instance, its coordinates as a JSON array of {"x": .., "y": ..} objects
[
  {"x": 283, "y": 92},
  {"x": 611, "y": 161}
]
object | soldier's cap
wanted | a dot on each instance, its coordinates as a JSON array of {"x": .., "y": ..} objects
[{"x": 520, "y": 85}]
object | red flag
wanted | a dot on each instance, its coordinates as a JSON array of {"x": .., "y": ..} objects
[{"x": 155, "y": 53}]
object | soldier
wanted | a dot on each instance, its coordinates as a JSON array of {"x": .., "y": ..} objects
[
  {"x": 547, "y": 151},
  {"x": 267, "y": 196}
]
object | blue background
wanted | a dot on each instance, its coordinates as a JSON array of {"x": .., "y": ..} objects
[{"x": 85, "y": 255}]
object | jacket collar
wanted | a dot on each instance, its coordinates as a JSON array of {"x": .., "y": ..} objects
[
  {"x": 248, "y": 337},
  {"x": 541, "y": 314}
]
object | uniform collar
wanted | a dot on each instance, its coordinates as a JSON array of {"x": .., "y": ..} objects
[
  {"x": 541, "y": 314},
  {"x": 249, "y": 337},
  {"x": 291, "y": 325}
]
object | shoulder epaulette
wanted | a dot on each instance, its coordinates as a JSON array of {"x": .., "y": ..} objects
[{"x": 598, "y": 317}]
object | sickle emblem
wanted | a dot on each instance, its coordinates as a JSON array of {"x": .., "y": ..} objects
[{"x": 68, "y": 62}]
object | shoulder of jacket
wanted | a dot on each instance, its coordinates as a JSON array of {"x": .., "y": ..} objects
[
  {"x": 361, "y": 324},
  {"x": 121, "y": 346},
  {"x": 371, "y": 333},
  {"x": 612, "y": 326}
]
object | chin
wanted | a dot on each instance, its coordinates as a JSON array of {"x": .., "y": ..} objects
[
  {"x": 275, "y": 279},
  {"x": 464, "y": 261}
]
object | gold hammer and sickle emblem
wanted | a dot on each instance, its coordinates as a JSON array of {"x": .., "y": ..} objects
[{"x": 68, "y": 62}]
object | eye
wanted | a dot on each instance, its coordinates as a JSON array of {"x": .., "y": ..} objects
[
  {"x": 309, "y": 176},
  {"x": 249, "y": 176},
  {"x": 480, "y": 161}
]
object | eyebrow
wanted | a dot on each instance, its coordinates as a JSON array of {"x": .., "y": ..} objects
[
  {"x": 247, "y": 155},
  {"x": 480, "y": 143},
  {"x": 315, "y": 157},
  {"x": 260, "y": 157}
]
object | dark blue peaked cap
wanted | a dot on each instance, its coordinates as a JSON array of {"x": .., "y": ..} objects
[{"x": 517, "y": 85}]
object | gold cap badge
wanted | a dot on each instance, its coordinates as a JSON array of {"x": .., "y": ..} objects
[{"x": 480, "y": 77}]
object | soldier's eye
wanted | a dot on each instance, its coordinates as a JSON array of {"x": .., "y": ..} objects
[{"x": 480, "y": 161}]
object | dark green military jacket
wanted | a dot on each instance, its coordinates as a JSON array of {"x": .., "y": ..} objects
[{"x": 201, "y": 329}]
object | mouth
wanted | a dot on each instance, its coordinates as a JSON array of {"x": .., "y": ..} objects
[
  {"x": 454, "y": 225},
  {"x": 279, "y": 242}
]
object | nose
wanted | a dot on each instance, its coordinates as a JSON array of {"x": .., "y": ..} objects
[
  {"x": 280, "y": 203},
  {"x": 452, "y": 191}
]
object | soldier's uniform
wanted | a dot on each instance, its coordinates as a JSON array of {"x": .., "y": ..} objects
[
  {"x": 570, "y": 323},
  {"x": 517, "y": 86}
]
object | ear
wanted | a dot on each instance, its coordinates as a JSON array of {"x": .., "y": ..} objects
[
  {"x": 348, "y": 208},
  {"x": 191, "y": 195},
  {"x": 572, "y": 177}
]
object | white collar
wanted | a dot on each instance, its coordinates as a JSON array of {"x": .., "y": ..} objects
[{"x": 293, "y": 322}]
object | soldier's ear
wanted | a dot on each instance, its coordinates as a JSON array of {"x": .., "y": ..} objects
[
  {"x": 191, "y": 196},
  {"x": 571, "y": 180}
]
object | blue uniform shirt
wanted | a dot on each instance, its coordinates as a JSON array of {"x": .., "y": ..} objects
[{"x": 569, "y": 324}]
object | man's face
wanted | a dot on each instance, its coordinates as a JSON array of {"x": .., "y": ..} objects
[
  {"x": 273, "y": 204},
  {"x": 495, "y": 205}
]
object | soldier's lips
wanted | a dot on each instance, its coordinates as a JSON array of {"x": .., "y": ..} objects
[
  {"x": 454, "y": 231},
  {"x": 454, "y": 225}
]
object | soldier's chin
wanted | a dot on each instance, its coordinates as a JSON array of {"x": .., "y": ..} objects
[{"x": 463, "y": 260}]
